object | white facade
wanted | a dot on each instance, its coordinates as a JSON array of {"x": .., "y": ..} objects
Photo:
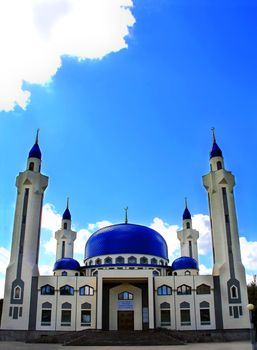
[{"x": 132, "y": 290}]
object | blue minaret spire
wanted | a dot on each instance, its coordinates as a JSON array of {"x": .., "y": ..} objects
[
  {"x": 35, "y": 150},
  {"x": 67, "y": 215},
  {"x": 186, "y": 214},
  {"x": 215, "y": 150}
]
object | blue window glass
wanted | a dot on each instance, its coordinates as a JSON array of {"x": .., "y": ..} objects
[
  {"x": 66, "y": 290},
  {"x": 164, "y": 290},
  {"x": 47, "y": 290},
  {"x": 86, "y": 290}
]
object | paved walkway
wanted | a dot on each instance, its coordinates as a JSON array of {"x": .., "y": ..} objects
[{"x": 201, "y": 346}]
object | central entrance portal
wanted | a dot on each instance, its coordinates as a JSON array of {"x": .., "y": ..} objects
[{"x": 126, "y": 320}]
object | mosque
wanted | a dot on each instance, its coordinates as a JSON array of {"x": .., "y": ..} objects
[{"x": 126, "y": 281}]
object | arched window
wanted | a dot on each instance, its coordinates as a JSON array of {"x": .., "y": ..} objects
[
  {"x": 46, "y": 314},
  {"x": 165, "y": 314},
  {"x": 66, "y": 314},
  {"x": 95, "y": 273},
  {"x": 184, "y": 289},
  {"x": 143, "y": 260},
  {"x": 64, "y": 273},
  {"x": 185, "y": 319},
  {"x": 17, "y": 293},
  {"x": 86, "y": 314},
  {"x": 234, "y": 292},
  {"x": 108, "y": 260},
  {"x": 175, "y": 274},
  {"x": 90, "y": 262},
  {"x": 164, "y": 290},
  {"x": 203, "y": 289},
  {"x": 205, "y": 313},
  {"x": 47, "y": 290},
  {"x": 31, "y": 166},
  {"x": 161, "y": 262},
  {"x": 188, "y": 225},
  {"x": 132, "y": 260},
  {"x": 66, "y": 290},
  {"x": 156, "y": 273},
  {"x": 86, "y": 290},
  {"x": 154, "y": 261},
  {"x": 219, "y": 165},
  {"x": 65, "y": 226},
  {"x": 125, "y": 296},
  {"x": 76, "y": 274},
  {"x": 120, "y": 260},
  {"x": 187, "y": 273},
  {"x": 98, "y": 261}
]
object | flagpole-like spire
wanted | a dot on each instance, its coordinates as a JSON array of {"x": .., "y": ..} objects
[
  {"x": 185, "y": 202},
  {"x": 213, "y": 135},
  {"x": 37, "y": 136},
  {"x": 126, "y": 215},
  {"x": 68, "y": 202}
]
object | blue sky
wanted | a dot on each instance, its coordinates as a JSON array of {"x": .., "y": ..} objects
[{"x": 131, "y": 127}]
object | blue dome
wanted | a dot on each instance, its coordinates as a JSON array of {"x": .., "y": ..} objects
[
  {"x": 215, "y": 151},
  {"x": 66, "y": 215},
  {"x": 35, "y": 152},
  {"x": 186, "y": 214},
  {"x": 184, "y": 262},
  {"x": 126, "y": 239},
  {"x": 66, "y": 264}
]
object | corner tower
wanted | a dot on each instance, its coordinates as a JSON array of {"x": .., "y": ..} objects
[
  {"x": 188, "y": 236},
  {"x": 65, "y": 236},
  {"x": 228, "y": 270},
  {"x": 22, "y": 272}
]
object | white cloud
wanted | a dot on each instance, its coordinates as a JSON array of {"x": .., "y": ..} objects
[
  {"x": 4, "y": 259},
  {"x": 35, "y": 34},
  {"x": 46, "y": 270},
  {"x": 169, "y": 233},
  {"x": 201, "y": 223},
  {"x": 204, "y": 270},
  {"x": 51, "y": 220},
  {"x": 249, "y": 254},
  {"x": 2, "y": 283}
]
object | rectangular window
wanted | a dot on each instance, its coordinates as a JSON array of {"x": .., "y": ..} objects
[
  {"x": 235, "y": 309},
  {"x": 185, "y": 317},
  {"x": 85, "y": 318},
  {"x": 190, "y": 249},
  {"x": 10, "y": 311},
  {"x": 230, "y": 311},
  {"x": 205, "y": 316},
  {"x": 20, "y": 312},
  {"x": 46, "y": 318},
  {"x": 165, "y": 317},
  {"x": 15, "y": 313},
  {"x": 66, "y": 318},
  {"x": 240, "y": 311},
  {"x": 63, "y": 249}
]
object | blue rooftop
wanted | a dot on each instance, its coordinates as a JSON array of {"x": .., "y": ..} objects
[
  {"x": 66, "y": 264},
  {"x": 184, "y": 262},
  {"x": 126, "y": 239},
  {"x": 186, "y": 214},
  {"x": 215, "y": 151},
  {"x": 66, "y": 215},
  {"x": 35, "y": 152}
]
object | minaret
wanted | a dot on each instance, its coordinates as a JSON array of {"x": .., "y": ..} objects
[
  {"x": 65, "y": 236},
  {"x": 228, "y": 266},
  {"x": 22, "y": 271},
  {"x": 188, "y": 236}
]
